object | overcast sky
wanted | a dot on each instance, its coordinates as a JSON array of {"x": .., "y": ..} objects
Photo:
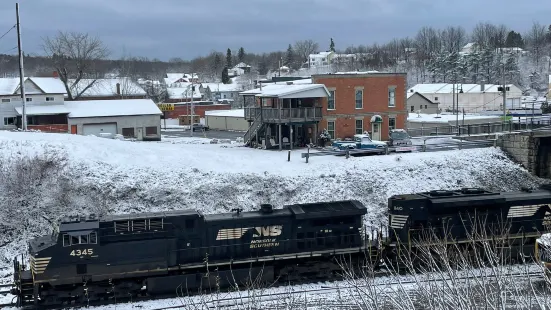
[{"x": 188, "y": 28}]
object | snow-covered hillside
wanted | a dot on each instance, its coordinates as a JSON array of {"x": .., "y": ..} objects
[{"x": 46, "y": 176}]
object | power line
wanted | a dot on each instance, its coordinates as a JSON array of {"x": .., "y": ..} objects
[
  {"x": 7, "y": 32},
  {"x": 11, "y": 49}
]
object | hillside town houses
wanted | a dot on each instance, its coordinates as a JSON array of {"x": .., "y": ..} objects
[{"x": 276, "y": 112}]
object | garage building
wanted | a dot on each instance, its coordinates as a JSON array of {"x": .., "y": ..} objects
[
  {"x": 133, "y": 118},
  {"x": 227, "y": 120}
]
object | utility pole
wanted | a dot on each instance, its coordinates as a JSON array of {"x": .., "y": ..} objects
[
  {"x": 21, "y": 71},
  {"x": 504, "y": 93},
  {"x": 192, "y": 118}
]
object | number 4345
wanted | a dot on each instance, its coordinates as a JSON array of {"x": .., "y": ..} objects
[{"x": 82, "y": 252}]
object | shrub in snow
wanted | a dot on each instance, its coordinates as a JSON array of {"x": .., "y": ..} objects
[{"x": 324, "y": 137}]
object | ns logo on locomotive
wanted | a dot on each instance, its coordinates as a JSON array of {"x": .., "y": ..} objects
[{"x": 92, "y": 258}]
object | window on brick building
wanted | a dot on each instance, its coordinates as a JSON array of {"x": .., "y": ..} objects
[
  {"x": 391, "y": 123},
  {"x": 359, "y": 126},
  {"x": 359, "y": 99},
  {"x": 331, "y": 129},
  {"x": 391, "y": 96},
  {"x": 331, "y": 100}
]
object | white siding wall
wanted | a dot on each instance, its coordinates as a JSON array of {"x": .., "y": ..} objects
[
  {"x": 138, "y": 122},
  {"x": 8, "y": 109},
  {"x": 226, "y": 123},
  {"x": 474, "y": 102}
]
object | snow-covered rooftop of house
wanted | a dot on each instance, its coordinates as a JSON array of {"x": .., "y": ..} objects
[
  {"x": 44, "y": 110},
  {"x": 357, "y": 72},
  {"x": 229, "y": 113},
  {"x": 280, "y": 90},
  {"x": 183, "y": 91},
  {"x": 49, "y": 85},
  {"x": 444, "y": 118},
  {"x": 445, "y": 88},
  {"x": 320, "y": 55},
  {"x": 242, "y": 65},
  {"x": 99, "y": 108},
  {"x": 107, "y": 87},
  {"x": 8, "y": 85},
  {"x": 215, "y": 87},
  {"x": 294, "y": 82}
]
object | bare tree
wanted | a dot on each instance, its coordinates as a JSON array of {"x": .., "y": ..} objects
[
  {"x": 536, "y": 41},
  {"x": 74, "y": 56},
  {"x": 453, "y": 39},
  {"x": 304, "y": 48}
]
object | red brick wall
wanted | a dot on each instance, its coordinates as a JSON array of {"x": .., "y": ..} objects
[
  {"x": 197, "y": 110},
  {"x": 50, "y": 128},
  {"x": 375, "y": 101}
]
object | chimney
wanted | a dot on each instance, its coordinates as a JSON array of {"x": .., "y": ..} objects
[
  {"x": 119, "y": 89},
  {"x": 482, "y": 86},
  {"x": 55, "y": 74}
]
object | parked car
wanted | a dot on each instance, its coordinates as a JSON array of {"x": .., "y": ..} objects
[
  {"x": 360, "y": 142},
  {"x": 200, "y": 127},
  {"x": 400, "y": 141}
]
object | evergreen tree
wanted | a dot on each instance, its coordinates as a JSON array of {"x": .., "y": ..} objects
[
  {"x": 225, "y": 76},
  {"x": 290, "y": 57},
  {"x": 229, "y": 60},
  {"x": 217, "y": 62},
  {"x": 241, "y": 54},
  {"x": 514, "y": 39},
  {"x": 263, "y": 66},
  {"x": 332, "y": 45}
]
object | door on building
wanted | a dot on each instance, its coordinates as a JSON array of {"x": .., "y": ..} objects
[
  {"x": 140, "y": 133},
  {"x": 98, "y": 129},
  {"x": 376, "y": 122},
  {"x": 73, "y": 129},
  {"x": 376, "y": 131}
]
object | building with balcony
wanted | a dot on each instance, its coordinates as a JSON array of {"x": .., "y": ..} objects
[
  {"x": 284, "y": 115},
  {"x": 363, "y": 101}
]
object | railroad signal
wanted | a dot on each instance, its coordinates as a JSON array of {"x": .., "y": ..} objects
[{"x": 166, "y": 107}]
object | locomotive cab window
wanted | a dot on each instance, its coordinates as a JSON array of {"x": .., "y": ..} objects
[{"x": 80, "y": 238}]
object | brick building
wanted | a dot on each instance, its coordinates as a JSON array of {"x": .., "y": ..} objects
[
  {"x": 363, "y": 101},
  {"x": 199, "y": 108}
]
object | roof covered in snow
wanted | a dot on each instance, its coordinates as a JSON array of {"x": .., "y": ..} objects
[
  {"x": 290, "y": 91},
  {"x": 183, "y": 91},
  {"x": 103, "y": 108},
  {"x": 446, "y": 88},
  {"x": 221, "y": 87},
  {"x": 227, "y": 113},
  {"x": 49, "y": 85},
  {"x": 106, "y": 87},
  {"x": 44, "y": 110}
]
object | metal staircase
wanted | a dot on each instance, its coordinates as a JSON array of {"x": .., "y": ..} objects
[{"x": 256, "y": 126}]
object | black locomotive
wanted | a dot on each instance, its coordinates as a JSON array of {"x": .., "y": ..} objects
[
  {"x": 152, "y": 254},
  {"x": 93, "y": 258}
]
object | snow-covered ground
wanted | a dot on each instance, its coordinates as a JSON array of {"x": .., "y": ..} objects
[{"x": 46, "y": 176}]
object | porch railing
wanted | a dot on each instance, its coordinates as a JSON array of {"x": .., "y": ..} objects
[{"x": 271, "y": 115}]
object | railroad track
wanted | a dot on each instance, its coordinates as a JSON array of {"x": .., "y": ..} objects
[{"x": 236, "y": 302}]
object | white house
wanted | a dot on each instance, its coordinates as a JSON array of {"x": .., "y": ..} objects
[
  {"x": 239, "y": 69},
  {"x": 172, "y": 78},
  {"x": 220, "y": 91},
  {"x": 471, "y": 97},
  {"x": 44, "y": 91},
  {"x": 180, "y": 92}
]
